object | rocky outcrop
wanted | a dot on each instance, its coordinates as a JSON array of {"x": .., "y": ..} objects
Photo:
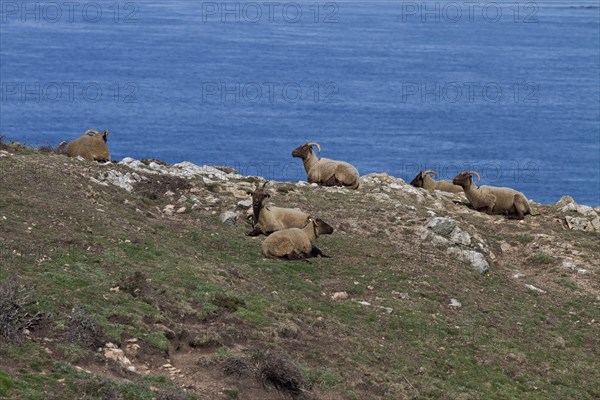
[
  {"x": 462, "y": 245},
  {"x": 579, "y": 217}
]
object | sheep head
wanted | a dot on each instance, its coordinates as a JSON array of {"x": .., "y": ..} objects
[
  {"x": 97, "y": 135},
  {"x": 420, "y": 178},
  {"x": 303, "y": 151},
  {"x": 321, "y": 227},
  {"x": 258, "y": 198},
  {"x": 464, "y": 179}
]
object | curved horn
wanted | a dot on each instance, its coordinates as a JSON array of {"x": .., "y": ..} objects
[
  {"x": 429, "y": 171},
  {"x": 315, "y": 144},
  {"x": 475, "y": 173},
  {"x": 265, "y": 184},
  {"x": 93, "y": 131}
]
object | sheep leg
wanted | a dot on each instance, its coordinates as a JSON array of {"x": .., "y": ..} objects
[
  {"x": 294, "y": 255},
  {"x": 316, "y": 252},
  {"x": 254, "y": 232},
  {"x": 331, "y": 182},
  {"x": 519, "y": 213}
]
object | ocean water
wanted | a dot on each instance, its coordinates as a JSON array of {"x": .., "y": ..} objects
[{"x": 509, "y": 89}]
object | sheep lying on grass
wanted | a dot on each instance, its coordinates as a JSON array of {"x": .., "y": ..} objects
[
  {"x": 91, "y": 146},
  {"x": 425, "y": 181},
  {"x": 324, "y": 171},
  {"x": 493, "y": 200},
  {"x": 294, "y": 243},
  {"x": 267, "y": 219}
]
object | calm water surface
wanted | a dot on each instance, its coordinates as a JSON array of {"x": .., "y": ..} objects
[{"x": 388, "y": 86}]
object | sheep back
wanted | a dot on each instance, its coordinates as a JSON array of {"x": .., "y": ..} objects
[
  {"x": 273, "y": 219},
  {"x": 288, "y": 243},
  {"x": 334, "y": 173},
  {"x": 91, "y": 148},
  {"x": 448, "y": 186}
]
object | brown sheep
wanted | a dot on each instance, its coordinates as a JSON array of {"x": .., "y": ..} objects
[
  {"x": 493, "y": 200},
  {"x": 324, "y": 171},
  {"x": 91, "y": 146},
  {"x": 267, "y": 219},
  {"x": 425, "y": 181},
  {"x": 295, "y": 243}
]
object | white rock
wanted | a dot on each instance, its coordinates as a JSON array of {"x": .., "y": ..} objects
[
  {"x": 586, "y": 210},
  {"x": 535, "y": 289},
  {"x": 119, "y": 179},
  {"x": 245, "y": 203},
  {"x": 229, "y": 217},
  {"x": 476, "y": 259},
  {"x": 568, "y": 263},
  {"x": 569, "y": 207},
  {"x": 454, "y": 303},
  {"x": 338, "y": 296}
]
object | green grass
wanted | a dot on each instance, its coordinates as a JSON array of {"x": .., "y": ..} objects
[
  {"x": 542, "y": 258},
  {"x": 200, "y": 275},
  {"x": 524, "y": 238}
]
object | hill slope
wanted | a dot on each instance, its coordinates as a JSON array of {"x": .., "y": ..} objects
[{"x": 123, "y": 281}]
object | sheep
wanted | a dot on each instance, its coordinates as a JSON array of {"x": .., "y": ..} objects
[
  {"x": 267, "y": 219},
  {"x": 295, "y": 243},
  {"x": 324, "y": 171},
  {"x": 425, "y": 181},
  {"x": 91, "y": 146},
  {"x": 493, "y": 200}
]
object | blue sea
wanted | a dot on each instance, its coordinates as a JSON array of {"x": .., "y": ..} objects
[{"x": 510, "y": 89}]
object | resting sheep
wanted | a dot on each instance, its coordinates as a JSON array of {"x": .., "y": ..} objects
[
  {"x": 91, "y": 146},
  {"x": 425, "y": 181},
  {"x": 324, "y": 171},
  {"x": 267, "y": 219},
  {"x": 295, "y": 243},
  {"x": 493, "y": 200}
]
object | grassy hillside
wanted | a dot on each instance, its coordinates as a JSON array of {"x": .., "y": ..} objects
[{"x": 200, "y": 313}]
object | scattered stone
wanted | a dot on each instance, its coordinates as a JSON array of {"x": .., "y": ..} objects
[
  {"x": 505, "y": 247},
  {"x": 565, "y": 200},
  {"x": 535, "y": 289},
  {"x": 402, "y": 296},
  {"x": 519, "y": 275},
  {"x": 119, "y": 179},
  {"x": 169, "y": 193},
  {"x": 229, "y": 217},
  {"x": 476, "y": 259},
  {"x": 168, "y": 210},
  {"x": 338, "y": 296},
  {"x": 113, "y": 353},
  {"x": 454, "y": 303},
  {"x": 442, "y": 230},
  {"x": 583, "y": 223},
  {"x": 182, "y": 199},
  {"x": 181, "y": 210},
  {"x": 388, "y": 310},
  {"x": 245, "y": 203}
]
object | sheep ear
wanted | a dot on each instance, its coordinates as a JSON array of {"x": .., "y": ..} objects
[
  {"x": 267, "y": 195},
  {"x": 248, "y": 192},
  {"x": 105, "y": 135}
]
